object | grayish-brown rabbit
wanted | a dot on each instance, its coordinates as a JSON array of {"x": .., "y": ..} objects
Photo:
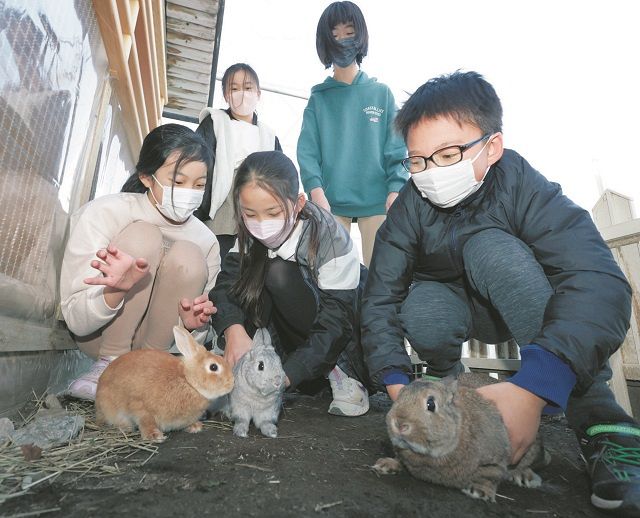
[{"x": 447, "y": 433}]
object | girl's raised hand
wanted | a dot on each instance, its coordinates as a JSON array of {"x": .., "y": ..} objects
[
  {"x": 197, "y": 312},
  {"x": 119, "y": 270}
]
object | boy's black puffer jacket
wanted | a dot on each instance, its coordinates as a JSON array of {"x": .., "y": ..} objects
[{"x": 588, "y": 314}]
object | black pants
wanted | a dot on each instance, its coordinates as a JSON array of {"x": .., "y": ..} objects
[
  {"x": 290, "y": 304},
  {"x": 291, "y": 309}
]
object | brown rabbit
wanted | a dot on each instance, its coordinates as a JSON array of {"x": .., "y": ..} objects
[
  {"x": 447, "y": 433},
  {"x": 158, "y": 392}
]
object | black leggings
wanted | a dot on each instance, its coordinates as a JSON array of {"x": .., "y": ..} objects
[{"x": 290, "y": 304}]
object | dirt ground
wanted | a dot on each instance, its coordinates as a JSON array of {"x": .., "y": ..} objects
[{"x": 318, "y": 466}]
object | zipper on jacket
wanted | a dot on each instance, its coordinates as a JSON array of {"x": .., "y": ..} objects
[
  {"x": 453, "y": 248},
  {"x": 305, "y": 277}
]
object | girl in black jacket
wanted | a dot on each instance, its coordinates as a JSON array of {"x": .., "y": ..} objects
[{"x": 296, "y": 271}]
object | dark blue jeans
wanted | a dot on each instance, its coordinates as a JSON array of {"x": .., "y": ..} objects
[{"x": 504, "y": 295}]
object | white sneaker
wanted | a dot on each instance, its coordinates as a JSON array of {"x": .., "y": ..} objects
[
  {"x": 85, "y": 386},
  {"x": 350, "y": 398}
]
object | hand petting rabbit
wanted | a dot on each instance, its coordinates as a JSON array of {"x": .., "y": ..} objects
[{"x": 445, "y": 432}]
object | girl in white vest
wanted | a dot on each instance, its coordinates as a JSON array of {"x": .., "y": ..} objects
[
  {"x": 138, "y": 260},
  {"x": 233, "y": 134}
]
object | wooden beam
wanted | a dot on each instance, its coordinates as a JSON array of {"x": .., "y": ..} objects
[
  {"x": 159, "y": 31},
  {"x": 146, "y": 67},
  {"x": 151, "y": 34},
  {"x": 116, "y": 48},
  {"x": 129, "y": 10},
  {"x": 17, "y": 334}
]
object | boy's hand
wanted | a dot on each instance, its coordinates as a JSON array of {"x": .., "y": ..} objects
[
  {"x": 394, "y": 390},
  {"x": 520, "y": 410},
  {"x": 197, "y": 312}
]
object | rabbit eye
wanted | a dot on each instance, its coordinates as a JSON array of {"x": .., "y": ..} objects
[
  {"x": 260, "y": 366},
  {"x": 431, "y": 404},
  {"x": 213, "y": 367}
]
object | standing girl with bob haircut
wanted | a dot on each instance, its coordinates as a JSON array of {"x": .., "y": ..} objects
[
  {"x": 154, "y": 260},
  {"x": 349, "y": 154},
  {"x": 232, "y": 134},
  {"x": 296, "y": 271}
]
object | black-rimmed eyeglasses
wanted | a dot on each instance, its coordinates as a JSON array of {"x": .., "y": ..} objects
[{"x": 443, "y": 157}]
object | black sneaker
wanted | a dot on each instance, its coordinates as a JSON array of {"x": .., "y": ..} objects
[{"x": 612, "y": 454}]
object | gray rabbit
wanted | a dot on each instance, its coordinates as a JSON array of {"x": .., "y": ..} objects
[
  {"x": 257, "y": 392},
  {"x": 447, "y": 433}
]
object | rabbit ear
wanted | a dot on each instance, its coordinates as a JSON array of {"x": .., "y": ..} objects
[
  {"x": 450, "y": 385},
  {"x": 261, "y": 338},
  {"x": 185, "y": 342}
]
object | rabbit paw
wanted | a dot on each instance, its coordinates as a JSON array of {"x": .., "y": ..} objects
[
  {"x": 485, "y": 493},
  {"x": 269, "y": 430},
  {"x": 525, "y": 478},
  {"x": 387, "y": 466},
  {"x": 194, "y": 428},
  {"x": 241, "y": 429},
  {"x": 154, "y": 435}
]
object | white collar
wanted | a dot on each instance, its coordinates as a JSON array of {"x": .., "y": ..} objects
[{"x": 287, "y": 250}]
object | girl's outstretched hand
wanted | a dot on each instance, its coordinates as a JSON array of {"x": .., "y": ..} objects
[
  {"x": 197, "y": 312},
  {"x": 120, "y": 272}
]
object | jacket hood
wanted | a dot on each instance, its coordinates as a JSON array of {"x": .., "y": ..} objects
[{"x": 329, "y": 83}]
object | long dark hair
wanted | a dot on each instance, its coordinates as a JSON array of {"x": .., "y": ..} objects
[
  {"x": 334, "y": 14},
  {"x": 274, "y": 172},
  {"x": 158, "y": 146}
]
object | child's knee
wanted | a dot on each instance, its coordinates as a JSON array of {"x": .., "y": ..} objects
[
  {"x": 493, "y": 253},
  {"x": 185, "y": 261},
  {"x": 141, "y": 239},
  {"x": 432, "y": 331}
]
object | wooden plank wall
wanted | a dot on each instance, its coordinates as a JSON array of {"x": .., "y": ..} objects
[{"x": 191, "y": 33}]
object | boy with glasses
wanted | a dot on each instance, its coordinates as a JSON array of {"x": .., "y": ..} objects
[{"x": 480, "y": 245}]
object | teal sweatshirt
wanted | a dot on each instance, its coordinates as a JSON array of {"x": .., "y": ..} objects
[{"x": 349, "y": 147}]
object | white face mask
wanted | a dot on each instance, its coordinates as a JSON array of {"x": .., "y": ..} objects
[
  {"x": 243, "y": 102},
  {"x": 448, "y": 185},
  {"x": 184, "y": 202}
]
